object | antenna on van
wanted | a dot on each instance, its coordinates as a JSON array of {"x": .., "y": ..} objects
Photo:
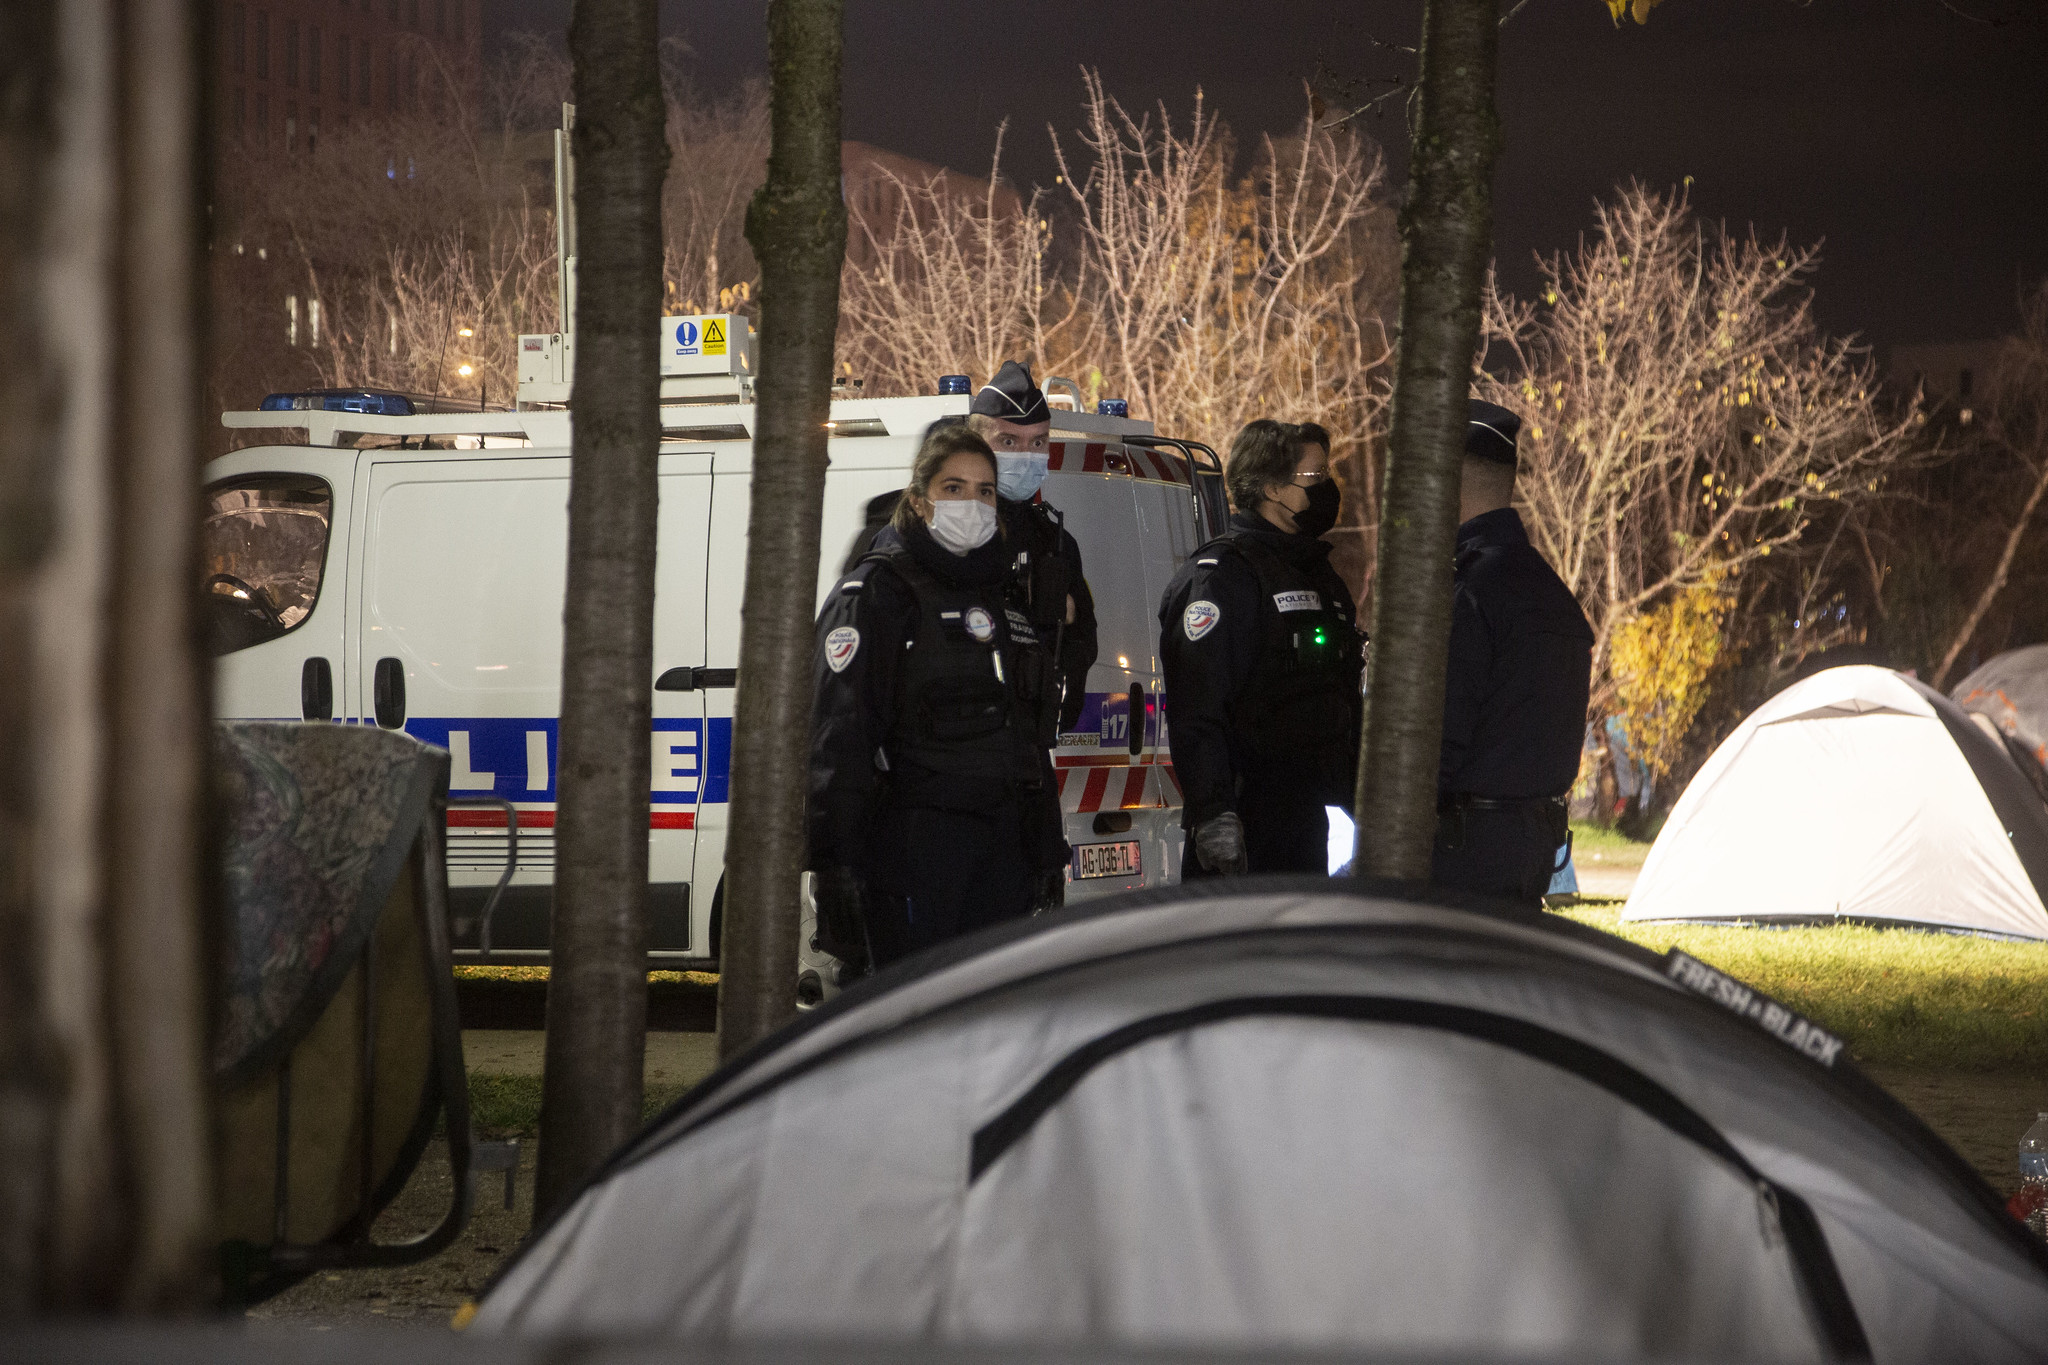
[{"x": 565, "y": 223}]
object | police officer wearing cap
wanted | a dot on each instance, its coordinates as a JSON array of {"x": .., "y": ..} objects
[
  {"x": 1514, "y": 692},
  {"x": 930, "y": 780},
  {"x": 1262, "y": 655},
  {"x": 1049, "y": 587}
]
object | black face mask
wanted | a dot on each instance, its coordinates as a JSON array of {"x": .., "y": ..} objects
[{"x": 1324, "y": 499}]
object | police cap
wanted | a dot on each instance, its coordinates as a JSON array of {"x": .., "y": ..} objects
[
  {"x": 1490, "y": 433},
  {"x": 1012, "y": 397}
]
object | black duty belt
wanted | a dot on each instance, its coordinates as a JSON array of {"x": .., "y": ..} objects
[{"x": 1453, "y": 801}]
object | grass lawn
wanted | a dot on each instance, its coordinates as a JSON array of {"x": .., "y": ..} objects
[
  {"x": 1901, "y": 997},
  {"x": 1606, "y": 847}
]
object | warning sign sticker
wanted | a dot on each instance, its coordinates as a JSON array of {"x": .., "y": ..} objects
[{"x": 714, "y": 336}]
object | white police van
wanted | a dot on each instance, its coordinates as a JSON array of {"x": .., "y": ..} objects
[{"x": 405, "y": 568}]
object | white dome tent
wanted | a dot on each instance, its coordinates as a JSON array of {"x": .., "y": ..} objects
[
  {"x": 1856, "y": 794},
  {"x": 1292, "y": 1114}
]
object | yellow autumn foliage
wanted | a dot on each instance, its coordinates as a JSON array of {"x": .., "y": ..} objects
[
  {"x": 1663, "y": 667},
  {"x": 1639, "y": 10}
]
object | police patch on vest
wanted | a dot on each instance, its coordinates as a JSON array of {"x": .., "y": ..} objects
[
  {"x": 1298, "y": 601},
  {"x": 980, "y": 624},
  {"x": 1021, "y": 629},
  {"x": 1199, "y": 619},
  {"x": 840, "y": 647}
]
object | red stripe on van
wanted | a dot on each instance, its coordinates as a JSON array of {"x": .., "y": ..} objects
[
  {"x": 1169, "y": 468},
  {"x": 1091, "y": 795},
  {"x": 1091, "y": 459},
  {"x": 1178, "y": 791},
  {"x": 1055, "y": 455},
  {"x": 545, "y": 819},
  {"x": 495, "y": 819},
  {"x": 1134, "y": 460},
  {"x": 1134, "y": 790}
]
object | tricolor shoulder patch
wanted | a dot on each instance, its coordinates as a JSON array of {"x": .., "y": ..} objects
[
  {"x": 1199, "y": 619},
  {"x": 840, "y": 647}
]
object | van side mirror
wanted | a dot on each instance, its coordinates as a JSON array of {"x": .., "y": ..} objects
[{"x": 1136, "y": 724}]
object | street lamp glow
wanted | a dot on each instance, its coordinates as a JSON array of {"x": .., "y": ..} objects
[
  {"x": 466, "y": 371},
  {"x": 464, "y": 332}
]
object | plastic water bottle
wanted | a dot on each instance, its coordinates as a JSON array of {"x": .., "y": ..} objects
[{"x": 2034, "y": 1176}]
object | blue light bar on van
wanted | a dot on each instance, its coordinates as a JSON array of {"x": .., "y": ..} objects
[
  {"x": 953, "y": 383},
  {"x": 1113, "y": 407},
  {"x": 340, "y": 400}
]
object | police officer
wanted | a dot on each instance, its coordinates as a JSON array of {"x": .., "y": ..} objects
[
  {"x": 929, "y": 779},
  {"x": 1515, "y": 689},
  {"x": 1011, "y": 414},
  {"x": 1049, "y": 587},
  {"x": 1262, "y": 655}
]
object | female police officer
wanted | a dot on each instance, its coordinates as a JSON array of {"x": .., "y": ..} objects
[
  {"x": 1263, "y": 659},
  {"x": 929, "y": 784}
]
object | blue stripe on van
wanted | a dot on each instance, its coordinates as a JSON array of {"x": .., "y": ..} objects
[{"x": 689, "y": 760}]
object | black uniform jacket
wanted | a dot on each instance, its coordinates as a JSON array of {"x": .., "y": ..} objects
[
  {"x": 1208, "y": 660},
  {"x": 1520, "y": 661},
  {"x": 1030, "y": 528},
  {"x": 1034, "y": 529},
  {"x": 855, "y": 684}
]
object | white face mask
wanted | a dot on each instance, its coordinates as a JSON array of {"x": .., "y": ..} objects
[
  {"x": 1019, "y": 473},
  {"x": 961, "y": 524}
]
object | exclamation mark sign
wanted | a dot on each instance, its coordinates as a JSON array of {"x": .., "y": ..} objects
[{"x": 536, "y": 760}]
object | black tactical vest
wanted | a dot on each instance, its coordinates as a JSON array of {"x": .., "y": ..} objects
[
  {"x": 1037, "y": 601},
  {"x": 1300, "y": 709},
  {"x": 963, "y": 736}
]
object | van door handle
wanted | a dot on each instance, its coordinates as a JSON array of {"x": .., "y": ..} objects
[
  {"x": 316, "y": 690},
  {"x": 387, "y": 693},
  {"x": 687, "y": 679},
  {"x": 1136, "y": 723}
]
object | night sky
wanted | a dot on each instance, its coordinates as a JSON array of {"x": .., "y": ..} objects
[{"x": 1912, "y": 140}]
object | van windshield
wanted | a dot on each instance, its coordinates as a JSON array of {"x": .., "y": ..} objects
[{"x": 264, "y": 546}]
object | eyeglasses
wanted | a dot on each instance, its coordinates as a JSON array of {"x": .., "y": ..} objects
[{"x": 1312, "y": 476}]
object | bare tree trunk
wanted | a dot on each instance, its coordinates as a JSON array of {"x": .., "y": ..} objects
[
  {"x": 1997, "y": 583},
  {"x": 797, "y": 227},
  {"x": 105, "y": 1129},
  {"x": 1447, "y": 234},
  {"x": 29, "y": 1082},
  {"x": 597, "y": 979}
]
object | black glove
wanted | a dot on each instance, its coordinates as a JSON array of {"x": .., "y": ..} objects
[
  {"x": 842, "y": 922},
  {"x": 1219, "y": 844},
  {"x": 1051, "y": 892}
]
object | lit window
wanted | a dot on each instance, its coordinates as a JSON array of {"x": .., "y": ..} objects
[{"x": 291, "y": 319}]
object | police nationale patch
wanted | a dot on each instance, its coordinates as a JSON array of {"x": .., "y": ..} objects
[
  {"x": 1298, "y": 601},
  {"x": 981, "y": 625},
  {"x": 840, "y": 647},
  {"x": 1199, "y": 619}
]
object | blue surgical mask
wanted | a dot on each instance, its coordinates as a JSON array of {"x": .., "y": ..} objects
[{"x": 1019, "y": 474}]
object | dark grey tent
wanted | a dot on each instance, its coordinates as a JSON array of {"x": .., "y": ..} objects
[
  {"x": 2011, "y": 692},
  {"x": 1289, "y": 1114}
]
